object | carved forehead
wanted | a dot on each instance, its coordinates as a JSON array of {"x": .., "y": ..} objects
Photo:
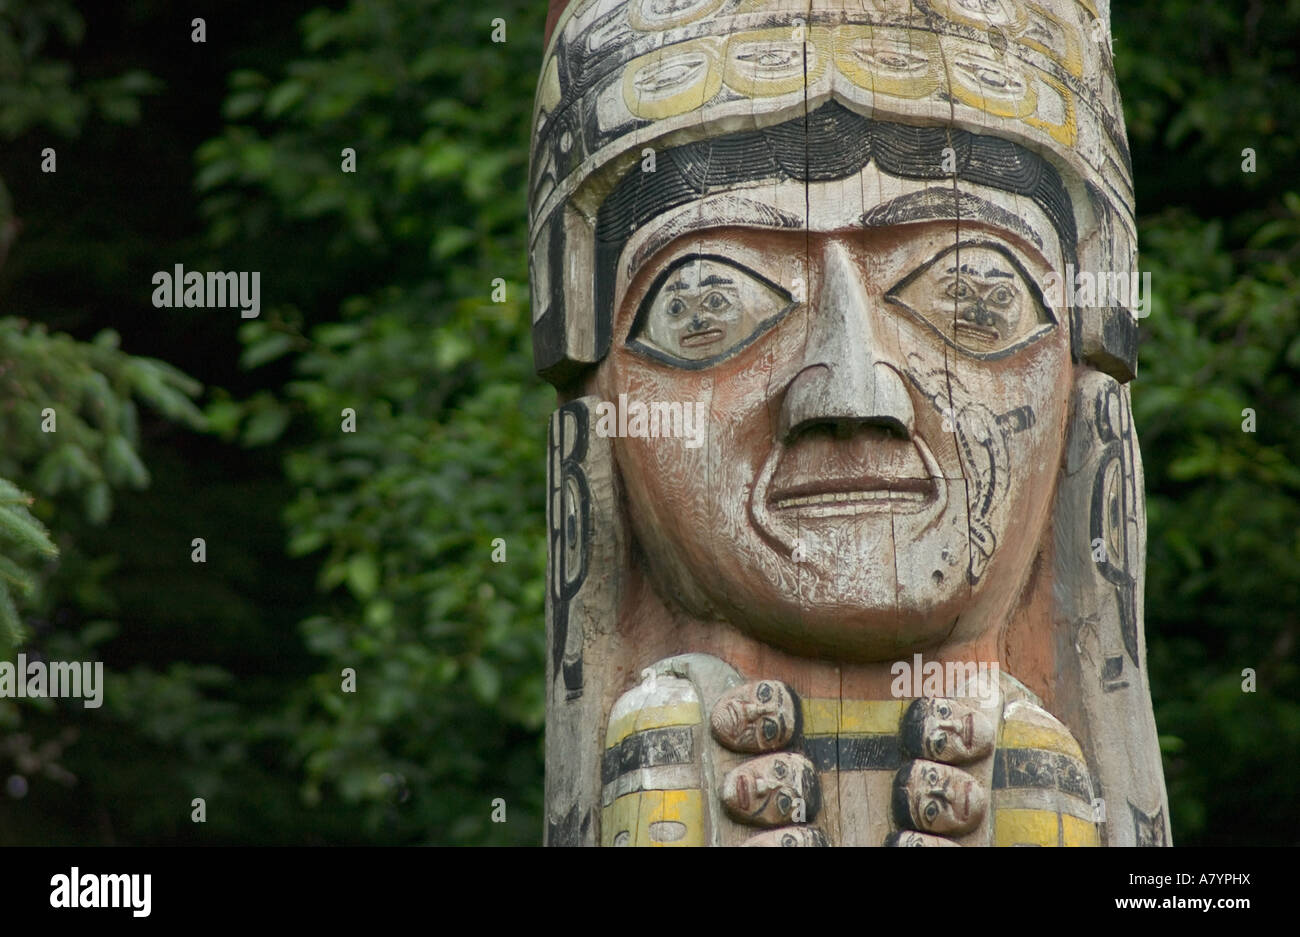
[
  {"x": 831, "y": 172},
  {"x": 868, "y": 200}
]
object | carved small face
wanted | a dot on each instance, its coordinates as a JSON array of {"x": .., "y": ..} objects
[
  {"x": 705, "y": 309},
  {"x": 912, "y": 838},
  {"x": 794, "y": 836},
  {"x": 775, "y": 790},
  {"x": 886, "y": 406},
  {"x": 755, "y": 717},
  {"x": 944, "y": 800},
  {"x": 952, "y": 732}
]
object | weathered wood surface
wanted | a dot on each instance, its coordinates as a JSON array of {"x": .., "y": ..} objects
[{"x": 829, "y": 420}]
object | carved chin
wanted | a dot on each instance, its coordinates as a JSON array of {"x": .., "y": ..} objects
[{"x": 850, "y": 594}]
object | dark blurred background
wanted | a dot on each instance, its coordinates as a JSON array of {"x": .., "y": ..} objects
[{"x": 372, "y": 550}]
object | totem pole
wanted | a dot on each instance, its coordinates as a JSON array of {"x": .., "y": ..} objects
[{"x": 846, "y": 518}]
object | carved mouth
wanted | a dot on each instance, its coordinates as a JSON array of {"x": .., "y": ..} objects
[
  {"x": 979, "y": 331},
  {"x": 695, "y": 339},
  {"x": 742, "y": 792},
  {"x": 781, "y": 500},
  {"x": 852, "y": 495}
]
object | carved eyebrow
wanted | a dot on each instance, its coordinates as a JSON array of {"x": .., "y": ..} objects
[
  {"x": 991, "y": 272},
  {"x": 935, "y": 204},
  {"x": 679, "y": 285},
  {"x": 715, "y": 280},
  {"x": 729, "y": 210}
]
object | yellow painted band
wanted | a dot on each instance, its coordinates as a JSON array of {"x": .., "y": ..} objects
[
  {"x": 1027, "y": 735},
  {"x": 654, "y": 717},
  {"x": 1013, "y": 827},
  {"x": 852, "y": 717},
  {"x": 1077, "y": 832}
]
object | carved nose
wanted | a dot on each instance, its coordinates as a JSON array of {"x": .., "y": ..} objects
[{"x": 844, "y": 383}]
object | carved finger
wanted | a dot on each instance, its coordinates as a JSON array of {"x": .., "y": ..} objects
[
  {"x": 774, "y": 790},
  {"x": 946, "y": 730},
  {"x": 789, "y": 836},
  {"x": 937, "y": 798},
  {"x": 914, "y": 838},
  {"x": 761, "y": 716}
]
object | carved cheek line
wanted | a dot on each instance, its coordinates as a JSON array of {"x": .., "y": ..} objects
[{"x": 770, "y": 528}]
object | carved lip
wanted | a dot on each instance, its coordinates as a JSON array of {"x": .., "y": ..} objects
[
  {"x": 823, "y": 474},
  {"x": 862, "y": 490},
  {"x": 979, "y": 331},
  {"x": 707, "y": 337}
]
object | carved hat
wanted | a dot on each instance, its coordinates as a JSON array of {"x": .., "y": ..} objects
[{"x": 1023, "y": 91}]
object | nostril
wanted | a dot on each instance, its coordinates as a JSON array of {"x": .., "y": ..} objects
[{"x": 844, "y": 428}]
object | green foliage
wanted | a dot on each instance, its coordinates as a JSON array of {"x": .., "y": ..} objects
[
  {"x": 447, "y": 453},
  {"x": 36, "y": 90},
  {"x": 1223, "y": 246},
  {"x": 91, "y": 386},
  {"x": 83, "y": 395},
  {"x": 70, "y": 423},
  {"x": 20, "y": 535},
  {"x": 71, "y": 437}
]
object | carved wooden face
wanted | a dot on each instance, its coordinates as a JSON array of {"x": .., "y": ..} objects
[
  {"x": 947, "y": 730},
  {"x": 886, "y": 407},
  {"x": 755, "y": 717},
  {"x": 773, "y": 790},
  {"x": 942, "y": 799}
]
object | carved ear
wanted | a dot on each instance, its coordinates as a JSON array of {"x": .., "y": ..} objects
[
  {"x": 585, "y": 543},
  {"x": 1102, "y": 689}
]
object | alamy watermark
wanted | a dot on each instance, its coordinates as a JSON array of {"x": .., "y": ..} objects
[
  {"x": 56, "y": 680},
  {"x": 1104, "y": 289},
  {"x": 951, "y": 679},
  {"x": 673, "y": 419},
  {"x": 194, "y": 290},
  {"x": 86, "y": 890}
]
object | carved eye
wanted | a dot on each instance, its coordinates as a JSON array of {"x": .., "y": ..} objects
[
  {"x": 1002, "y": 296},
  {"x": 716, "y": 302},
  {"x": 769, "y": 730},
  {"x": 978, "y": 298},
  {"x": 704, "y": 308},
  {"x": 959, "y": 289},
  {"x": 783, "y": 804},
  {"x": 938, "y": 741},
  {"x": 779, "y": 769},
  {"x": 764, "y": 692},
  {"x": 945, "y": 710},
  {"x": 931, "y": 811}
]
